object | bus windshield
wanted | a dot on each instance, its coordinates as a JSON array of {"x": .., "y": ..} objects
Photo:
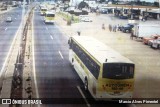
[
  {"x": 118, "y": 70},
  {"x": 50, "y": 15}
]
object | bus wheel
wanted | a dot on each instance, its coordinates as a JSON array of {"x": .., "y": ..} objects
[
  {"x": 86, "y": 84},
  {"x": 72, "y": 61}
]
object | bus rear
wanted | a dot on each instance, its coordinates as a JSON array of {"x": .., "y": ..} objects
[
  {"x": 49, "y": 17},
  {"x": 43, "y": 11},
  {"x": 117, "y": 81}
]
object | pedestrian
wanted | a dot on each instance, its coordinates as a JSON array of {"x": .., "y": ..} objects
[
  {"x": 131, "y": 37},
  {"x": 103, "y": 26},
  {"x": 118, "y": 27},
  {"x": 79, "y": 33},
  {"x": 140, "y": 17},
  {"x": 109, "y": 27},
  {"x": 114, "y": 28}
]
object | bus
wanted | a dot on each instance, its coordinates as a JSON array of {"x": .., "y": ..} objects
[
  {"x": 105, "y": 73},
  {"x": 49, "y": 17},
  {"x": 43, "y": 10}
]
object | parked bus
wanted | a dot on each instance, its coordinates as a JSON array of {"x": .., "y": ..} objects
[
  {"x": 104, "y": 72},
  {"x": 49, "y": 17}
]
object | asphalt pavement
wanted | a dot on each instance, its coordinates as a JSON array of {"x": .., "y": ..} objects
[
  {"x": 8, "y": 31},
  {"x": 55, "y": 77}
]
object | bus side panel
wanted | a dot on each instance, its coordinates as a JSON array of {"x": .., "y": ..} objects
[
  {"x": 92, "y": 85},
  {"x": 83, "y": 72},
  {"x": 76, "y": 64}
]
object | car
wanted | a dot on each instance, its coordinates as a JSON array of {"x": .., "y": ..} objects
[
  {"x": 104, "y": 11},
  {"x": 146, "y": 39},
  {"x": 127, "y": 28},
  {"x": 86, "y": 19},
  {"x": 123, "y": 17},
  {"x": 82, "y": 16},
  {"x": 155, "y": 43},
  {"x": 9, "y": 19}
]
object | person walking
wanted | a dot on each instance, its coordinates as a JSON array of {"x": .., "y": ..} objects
[
  {"x": 118, "y": 27},
  {"x": 110, "y": 28},
  {"x": 131, "y": 37},
  {"x": 115, "y": 28},
  {"x": 79, "y": 33},
  {"x": 103, "y": 26}
]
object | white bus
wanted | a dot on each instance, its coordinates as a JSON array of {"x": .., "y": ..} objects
[
  {"x": 43, "y": 10},
  {"x": 104, "y": 72},
  {"x": 49, "y": 17}
]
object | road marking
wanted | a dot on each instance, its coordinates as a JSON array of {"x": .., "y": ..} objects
[
  {"x": 60, "y": 54},
  {"x": 46, "y": 28},
  {"x": 51, "y": 37},
  {"x": 79, "y": 89},
  {"x": 34, "y": 69},
  {"x": 6, "y": 28}
]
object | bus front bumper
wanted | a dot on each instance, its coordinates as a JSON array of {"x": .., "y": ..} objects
[{"x": 49, "y": 21}]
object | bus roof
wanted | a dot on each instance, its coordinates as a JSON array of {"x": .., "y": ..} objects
[
  {"x": 50, "y": 12},
  {"x": 100, "y": 51},
  {"x": 43, "y": 8}
]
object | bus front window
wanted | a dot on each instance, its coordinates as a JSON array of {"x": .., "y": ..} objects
[
  {"x": 118, "y": 71},
  {"x": 43, "y": 10}
]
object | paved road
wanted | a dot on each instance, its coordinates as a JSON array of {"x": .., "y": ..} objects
[
  {"x": 7, "y": 31},
  {"x": 55, "y": 77}
]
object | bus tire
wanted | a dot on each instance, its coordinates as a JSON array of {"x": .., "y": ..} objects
[
  {"x": 86, "y": 83},
  {"x": 72, "y": 62}
]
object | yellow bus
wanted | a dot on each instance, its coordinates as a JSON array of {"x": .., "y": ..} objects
[
  {"x": 49, "y": 17},
  {"x": 43, "y": 10},
  {"x": 104, "y": 72}
]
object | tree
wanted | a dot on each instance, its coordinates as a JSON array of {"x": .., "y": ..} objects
[
  {"x": 156, "y": 4},
  {"x": 82, "y": 5}
]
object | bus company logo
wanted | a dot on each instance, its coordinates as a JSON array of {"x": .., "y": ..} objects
[{"x": 6, "y": 101}]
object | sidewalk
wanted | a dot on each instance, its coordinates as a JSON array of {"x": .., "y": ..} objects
[{"x": 146, "y": 62}]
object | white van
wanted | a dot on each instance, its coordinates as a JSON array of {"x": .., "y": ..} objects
[{"x": 82, "y": 16}]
